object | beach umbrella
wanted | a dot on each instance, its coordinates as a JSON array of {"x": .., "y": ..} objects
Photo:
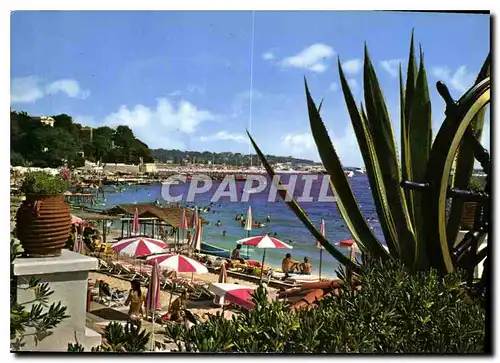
[
  {"x": 76, "y": 220},
  {"x": 196, "y": 241},
  {"x": 139, "y": 246},
  {"x": 318, "y": 245},
  {"x": 193, "y": 222},
  {"x": 178, "y": 263},
  {"x": 238, "y": 294},
  {"x": 135, "y": 223},
  {"x": 183, "y": 223},
  {"x": 78, "y": 244},
  {"x": 219, "y": 300},
  {"x": 263, "y": 242},
  {"x": 350, "y": 244},
  {"x": 153, "y": 297},
  {"x": 248, "y": 222}
]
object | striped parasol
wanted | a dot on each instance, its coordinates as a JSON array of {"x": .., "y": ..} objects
[
  {"x": 76, "y": 220},
  {"x": 183, "y": 223},
  {"x": 248, "y": 221},
  {"x": 193, "y": 222},
  {"x": 323, "y": 233},
  {"x": 318, "y": 245},
  {"x": 219, "y": 299},
  {"x": 238, "y": 294},
  {"x": 135, "y": 223},
  {"x": 139, "y": 246},
  {"x": 153, "y": 296},
  {"x": 197, "y": 236},
  {"x": 178, "y": 263},
  {"x": 78, "y": 244},
  {"x": 263, "y": 242}
]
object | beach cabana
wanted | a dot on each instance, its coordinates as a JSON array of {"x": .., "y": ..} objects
[{"x": 151, "y": 215}]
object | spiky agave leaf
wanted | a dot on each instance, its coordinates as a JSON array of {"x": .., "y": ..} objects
[
  {"x": 346, "y": 202},
  {"x": 299, "y": 212},
  {"x": 365, "y": 142},
  {"x": 419, "y": 139},
  {"x": 406, "y": 98},
  {"x": 385, "y": 147}
]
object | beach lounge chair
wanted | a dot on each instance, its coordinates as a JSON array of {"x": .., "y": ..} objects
[
  {"x": 103, "y": 266},
  {"x": 109, "y": 297}
]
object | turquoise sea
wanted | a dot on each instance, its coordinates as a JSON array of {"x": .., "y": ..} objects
[{"x": 283, "y": 221}]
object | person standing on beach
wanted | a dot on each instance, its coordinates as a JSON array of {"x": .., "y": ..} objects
[{"x": 136, "y": 300}]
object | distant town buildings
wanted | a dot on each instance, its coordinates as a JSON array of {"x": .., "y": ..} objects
[{"x": 49, "y": 121}]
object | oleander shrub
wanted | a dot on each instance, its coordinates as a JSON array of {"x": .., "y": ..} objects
[{"x": 395, "y": 311}]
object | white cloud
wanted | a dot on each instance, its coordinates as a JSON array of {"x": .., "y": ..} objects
[
  {"x": 352, "y": 66},
  {"x": 68, "y": 86},
  {"x": 334, "y": 87},
  {"x": 32, "y": 88},
  {"x": 302, "y": 145},
  {"x": 299, "y": 143},
  {"x": 26, "y": 90},
  {"x": 460, "y": 80},
  {"x": 184, "y": 118},
  {"x": 225, "y": 136},
  {"x": 312, "y": 58},
  {"x": 268, "y": 56},
  {"x": 391, "y": 66}
]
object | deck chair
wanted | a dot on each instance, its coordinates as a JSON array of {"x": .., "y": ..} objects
[
  {"x": 110, "y": 297},
  {"x": 103, "y": 266}
]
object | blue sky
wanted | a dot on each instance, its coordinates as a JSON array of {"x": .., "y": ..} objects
[{"x": 182, "y": 79}]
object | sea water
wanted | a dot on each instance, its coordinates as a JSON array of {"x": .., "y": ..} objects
[{"x": 284, "y": 222}]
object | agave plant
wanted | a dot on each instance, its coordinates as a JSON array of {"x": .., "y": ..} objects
[{"x": 400, "y": 211}]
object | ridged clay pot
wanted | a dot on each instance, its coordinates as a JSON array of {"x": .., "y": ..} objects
[{"x": 43, "y": 224}]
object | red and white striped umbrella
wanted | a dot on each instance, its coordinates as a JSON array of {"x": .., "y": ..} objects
[
  {"x": 265, "y": 241},
  {"x": 153, "y": 295},
  {"x": 139, "y": 246},
  {"x": 76, "y": 220},
  {"x": 178, "y": 263},
  {"x": 219, "y": 300},
  {"x": 196, "y": 241},
  {"x": 323, "y": 233},
  {"x": 238, "y": 294},
  {"x": 350, "y": 244},
  {"x": 193, "y": 222},
  {"x": 135, "y": 223},
  {"x": 183, "y": 223},
  {"x": 78, "y": 244},
  {"x": 248, "y": 221}
]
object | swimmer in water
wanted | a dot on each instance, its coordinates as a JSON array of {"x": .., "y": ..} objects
[{"x": 224, "y": 233}]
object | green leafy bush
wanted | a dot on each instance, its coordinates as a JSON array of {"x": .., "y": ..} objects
[
  {"x": 119, "y": 338},
  {"x": 394, "y": 312},
  {"x": 42, "y": 183}
]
